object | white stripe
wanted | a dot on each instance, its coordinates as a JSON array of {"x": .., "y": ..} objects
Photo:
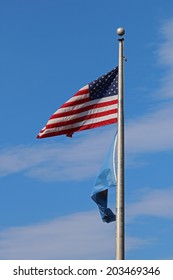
[
  {"x": 85, "y": 104},
  {"x": 77, "y": 97},
  {"x": 88, "y": 112},
  {"x": 85, "y": 87},
  {"x": 79, "y": 124}
]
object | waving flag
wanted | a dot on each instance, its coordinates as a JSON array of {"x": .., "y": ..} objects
[
  {"x": 104, "y": 181},
  {"x": 92, "y": 106}
]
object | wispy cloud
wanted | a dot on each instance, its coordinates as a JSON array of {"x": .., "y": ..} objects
[
  {"x": 152, "y": 132},
  {"x": 164, "y": 57},
  {"x": 77, "y": 236},
  {"x": 152, "y": 202},
  {"x": 83, "y": 235},
  {"x": 80, "y": 158},
  {"x": 164, "y": 53}
]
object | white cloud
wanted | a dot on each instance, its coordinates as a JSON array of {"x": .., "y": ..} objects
[
  {"x": 152, "y": 132},
  {"x": 78, "y": 159},
  {"x": 83, "y": 235},
  {"x": 77, "y": 236},
  {"x": 152, "y": 202},
  {"x": 165, "y": 55}
]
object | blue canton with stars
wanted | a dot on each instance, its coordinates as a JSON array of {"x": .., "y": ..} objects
[{"x": 105, "y": 86}]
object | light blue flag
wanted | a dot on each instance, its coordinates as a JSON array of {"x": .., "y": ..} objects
[{"x": 104, "y": 181}]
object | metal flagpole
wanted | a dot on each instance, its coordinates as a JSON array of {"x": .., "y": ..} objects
[{"x": 120, "y": 153}]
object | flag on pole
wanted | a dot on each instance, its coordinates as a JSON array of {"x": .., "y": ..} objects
[
  {"x": 92, "y": 106},
  {"x": 104, "y": 181}
]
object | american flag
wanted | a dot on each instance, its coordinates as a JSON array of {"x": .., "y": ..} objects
[{"x": 94, "y": 105}]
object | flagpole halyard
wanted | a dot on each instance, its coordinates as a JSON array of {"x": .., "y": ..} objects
[{"x": 120, "y": 153}]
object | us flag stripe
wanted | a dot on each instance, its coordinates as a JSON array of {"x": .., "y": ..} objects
[
  {"x": 85, "y": 106},
  {"x": 68, "y": 129},
  {"x": 92, "y": 106},
  {"x": 67, "y": 121},
  {"x": 61, "y": 117}
]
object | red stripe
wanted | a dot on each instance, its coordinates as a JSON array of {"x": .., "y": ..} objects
[
  {"x": 83, "y": 109},
  {"x": 80, "y": 119},
  {"x": 81, "y": 91},
  {"x": 69, "y": 132},
  {"x": 75, "y": 102}
]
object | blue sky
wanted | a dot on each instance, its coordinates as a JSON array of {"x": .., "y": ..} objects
[{"x": 50, "y": 49}]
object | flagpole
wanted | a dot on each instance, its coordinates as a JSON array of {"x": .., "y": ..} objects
[{"x": 120, "y": 153}]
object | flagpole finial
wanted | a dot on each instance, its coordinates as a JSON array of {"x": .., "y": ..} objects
[{"x": 120, "y": 31}]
